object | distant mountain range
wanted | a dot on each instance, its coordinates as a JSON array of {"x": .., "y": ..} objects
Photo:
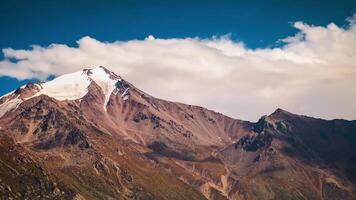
[{"x": 93, "y": 135}]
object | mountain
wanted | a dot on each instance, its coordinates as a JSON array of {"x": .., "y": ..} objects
[{"x": 93, "y": 135}]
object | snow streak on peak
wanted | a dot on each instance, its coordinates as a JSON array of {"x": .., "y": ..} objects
[{"x": 107, "y": 84}]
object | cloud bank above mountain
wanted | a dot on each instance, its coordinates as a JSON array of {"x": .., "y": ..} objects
[{"x": 312, "y": 72}]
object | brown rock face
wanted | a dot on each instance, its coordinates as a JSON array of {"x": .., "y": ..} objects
[{"x": 140, "y": 147}]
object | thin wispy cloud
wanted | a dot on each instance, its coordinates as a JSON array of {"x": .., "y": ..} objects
[{"x": 313, "y": 72}]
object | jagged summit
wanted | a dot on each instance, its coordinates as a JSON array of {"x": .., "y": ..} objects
[{"x": 279, "y": 112}]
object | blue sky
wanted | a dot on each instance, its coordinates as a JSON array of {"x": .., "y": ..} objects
[{"x": 258, "y": 24}]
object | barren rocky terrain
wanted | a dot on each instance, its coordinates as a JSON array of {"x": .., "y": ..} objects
[{"x": 114, "y": 141}]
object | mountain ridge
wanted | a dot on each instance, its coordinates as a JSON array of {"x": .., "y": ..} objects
[{"x": 113, "y": 141}]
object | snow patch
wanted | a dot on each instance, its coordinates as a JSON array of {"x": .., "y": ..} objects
[
  {"x": 67, "y": 87},
  {"x": 9, "y": 105}
]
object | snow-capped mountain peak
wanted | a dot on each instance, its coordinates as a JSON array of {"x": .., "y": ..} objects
[{"x": 75, "y": 86}]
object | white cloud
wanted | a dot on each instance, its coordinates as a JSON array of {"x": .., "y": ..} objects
[{"x": 313, "y": 73}]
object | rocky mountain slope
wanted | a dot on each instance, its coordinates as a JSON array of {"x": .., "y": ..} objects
[{"x": 93, "y": 135}]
